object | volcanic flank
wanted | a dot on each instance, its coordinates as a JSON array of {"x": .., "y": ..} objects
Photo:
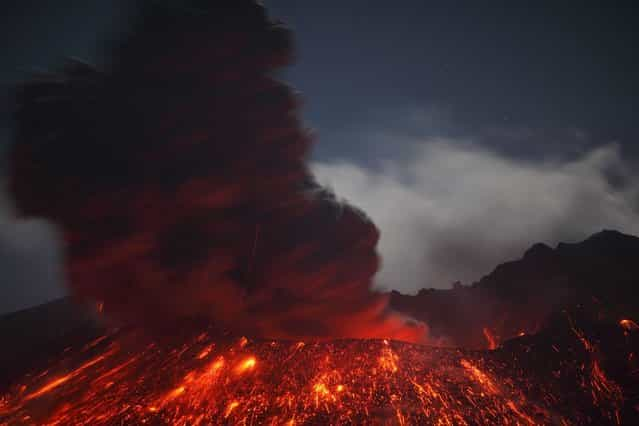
[
  {"x": 517, "y": 297},
  {"x": 580, "y": 368},
  {"x": 179, "y": 178}
]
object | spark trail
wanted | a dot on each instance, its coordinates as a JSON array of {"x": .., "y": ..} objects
[{"x": 204, "y": 381}]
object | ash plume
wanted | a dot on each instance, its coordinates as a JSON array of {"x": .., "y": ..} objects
[{"x": 178, "y": 175}]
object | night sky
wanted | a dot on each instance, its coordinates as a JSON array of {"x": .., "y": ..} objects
[{"x": 467, "y": 132}]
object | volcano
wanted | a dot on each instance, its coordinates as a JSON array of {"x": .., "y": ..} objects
[
  {"x": 579, "y": 367},
  {"x": 214, "y": 281},
  {"x": 117, "y": 379}
]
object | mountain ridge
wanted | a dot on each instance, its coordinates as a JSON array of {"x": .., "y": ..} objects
[{"x": 517, "y": 296}]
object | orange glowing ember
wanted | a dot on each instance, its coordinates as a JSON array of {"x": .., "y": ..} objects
[
  {"x": 628, "y": 325},
  {"x": 232, "y": 406},
  {"x": 65, "y": 378},
  {"x": 246, "y": 365},
  {"x": 202, "y": 382},
  {"x": 388, "y": 360},
  {"x": 481, "y": 377},
  {"x": 490, "y": 339}
]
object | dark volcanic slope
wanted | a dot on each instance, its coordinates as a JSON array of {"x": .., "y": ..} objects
[
  {"x": 553, "y": 378},
  {"x": 31, "y": 336},
  {"x": 581, "y": 367},
  {"x": 519, "y": 295}
]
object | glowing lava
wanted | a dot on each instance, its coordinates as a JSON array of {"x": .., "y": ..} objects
[
  {"x": 629, "y": 325},
  {"x": 490, "y": 339},
  {"x": 279, "y": 382}
]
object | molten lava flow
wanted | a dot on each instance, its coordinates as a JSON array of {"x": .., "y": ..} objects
[
  {"x": 65, "y": 378},
  {"x": 279, "y": 382}
]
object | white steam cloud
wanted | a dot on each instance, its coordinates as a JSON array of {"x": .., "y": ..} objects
[{"x": 453, "y": 212}]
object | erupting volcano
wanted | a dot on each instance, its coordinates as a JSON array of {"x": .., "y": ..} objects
[{"x": 178, "y": 176}]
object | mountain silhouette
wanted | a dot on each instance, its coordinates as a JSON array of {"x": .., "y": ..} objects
[{"x": 518, "y": 296}]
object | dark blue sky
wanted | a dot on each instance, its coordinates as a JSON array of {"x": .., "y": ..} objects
[
  {"x": 514, "y": 85},
  {"x": 540, "y": 70},
  {"x": 545, "y": 68}
]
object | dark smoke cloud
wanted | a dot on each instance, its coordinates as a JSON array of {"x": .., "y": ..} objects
[{"x": 179, "y": 178}]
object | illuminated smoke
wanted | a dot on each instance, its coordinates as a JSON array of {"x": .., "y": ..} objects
[{"x": 179, "y": 177}]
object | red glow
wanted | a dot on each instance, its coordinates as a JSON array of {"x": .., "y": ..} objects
[
  {"x": 490, "y": 339},
  {"x": 277, "y": 382}
]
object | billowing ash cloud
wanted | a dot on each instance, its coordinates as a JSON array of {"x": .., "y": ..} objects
[
  {"x": 453, "y": 212},
  {"x": 179, "y": 179}
]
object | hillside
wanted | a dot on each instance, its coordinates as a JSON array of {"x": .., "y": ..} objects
[{"x": 518, "y": 296}]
